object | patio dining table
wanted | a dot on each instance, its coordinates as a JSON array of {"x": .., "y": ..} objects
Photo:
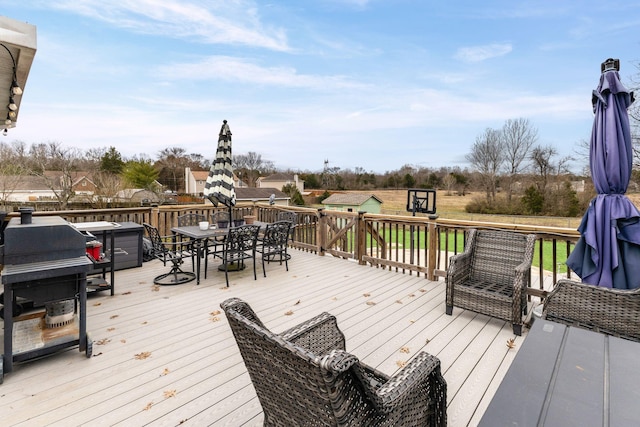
[
  {"x": 569, "y": 376},
  {"x": 198, "y": 236}
]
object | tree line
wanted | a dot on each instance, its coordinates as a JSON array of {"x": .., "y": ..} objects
[{"x": 515, "y": 172}]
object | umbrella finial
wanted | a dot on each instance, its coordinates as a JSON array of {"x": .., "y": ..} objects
[
  {"x": 610, "y": 64},
  {"x": 224, "y": 130}
]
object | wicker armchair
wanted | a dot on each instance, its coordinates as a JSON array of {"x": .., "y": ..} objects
[
  {"x": 611, "y": 311},
  {"x": 491, "y": 275},
  {"x": 305, "y": 377}
]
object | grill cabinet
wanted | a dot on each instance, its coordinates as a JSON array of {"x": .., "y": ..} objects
[{"x": 44, "y": 260}]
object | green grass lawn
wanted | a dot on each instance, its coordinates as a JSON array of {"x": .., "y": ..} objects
[
  {"x": 547, "y": 250},
  {"x": 456, "y": 245}
]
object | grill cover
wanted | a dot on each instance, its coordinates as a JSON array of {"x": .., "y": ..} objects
[{"x": 47, "y": 238}]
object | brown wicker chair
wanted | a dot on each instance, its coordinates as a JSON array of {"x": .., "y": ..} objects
[
  {"x": 491, "y": 275},
  {"x": 305, "y": 377},
  {"x": 611, "y": 311}
]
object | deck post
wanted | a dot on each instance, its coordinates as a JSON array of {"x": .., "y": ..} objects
[
  {"x": 321, "y": 232},
  {"x": 154, "y": 218},
  {"x": 433, "y": 250},
  {"x": 361, "y": 236}
]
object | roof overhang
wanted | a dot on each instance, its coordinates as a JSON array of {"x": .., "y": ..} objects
[{"x": 19, "y": 39}]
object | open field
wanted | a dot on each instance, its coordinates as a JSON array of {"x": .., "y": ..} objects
[{"x": 453, "y": 207}]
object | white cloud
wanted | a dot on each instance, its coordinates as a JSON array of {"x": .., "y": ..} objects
[
  {"x": 481, "y": 53},
  {"x": 358, "y": 3},
  {"x": 241, "y": 70},
  {"x": 223, "y": 22}
]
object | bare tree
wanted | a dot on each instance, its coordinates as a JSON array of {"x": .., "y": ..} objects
[
  {"x": 487, "y": 157},
  {"x": 56, "y": 165},
  {"x": 582, "y": 155},
  {"x": 172, "y": 162},
  {"x": 107, "y": 187},
  {"x": 250, "y": 166},
  {"x": 634, "y": 117},
  {"x": 11, "y": 172},
  {"x": 542, "y": 160},
  {"x": 449, "y": 181},
  {"x": 518, "y": 136}
]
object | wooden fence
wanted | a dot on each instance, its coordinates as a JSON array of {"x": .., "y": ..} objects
[{"x": 407, "y": 244}]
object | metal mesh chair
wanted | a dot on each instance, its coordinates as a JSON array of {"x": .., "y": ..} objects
[
  {"x": 292, "y": 217},
  {"x": 167, "y": 250},
  {"x": 221, "y": 219},
  {"x": 610, "y": 311},
  {"x": 238, "y": 246},
  {"x": 192, "y": 219},
  {"x": 304, "y": 377},
  {"x": 273, "y": 244},
  {"x": 288, "y": 216},
  {"x": 491, "y": 275}
]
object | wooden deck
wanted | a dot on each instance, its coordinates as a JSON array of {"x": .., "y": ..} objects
[{"x": 165, "y": 356}]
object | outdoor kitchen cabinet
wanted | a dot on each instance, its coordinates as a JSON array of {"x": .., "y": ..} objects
[
  {"x": 126, "y": 240},
  {"x": 97, "y": 281}
]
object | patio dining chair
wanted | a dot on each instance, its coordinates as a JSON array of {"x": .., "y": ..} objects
[
  {"x": 168, "y": 250},
  {"x": 239, "y": 245},
  {"x": 304, "y": 376},
  {"x": 221, "y": 219},
  {"x": 192, "y": 219},
  {"x": 491, "y": 275},
  {"x": 292, "y": 217},
  {"x": 273, "y": 244}
]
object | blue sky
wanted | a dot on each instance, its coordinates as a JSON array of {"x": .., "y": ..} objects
[{"x": 369, "y": 84}]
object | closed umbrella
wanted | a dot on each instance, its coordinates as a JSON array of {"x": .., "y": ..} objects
[
  {"x": 608, "y": 251},
  {"x": 219, "y": 187}
]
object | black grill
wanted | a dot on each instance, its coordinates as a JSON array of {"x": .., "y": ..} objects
[{"x": 44, "y": 262}]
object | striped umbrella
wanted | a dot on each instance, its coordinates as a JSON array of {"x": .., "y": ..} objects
[{"x": 219, "y": 186}]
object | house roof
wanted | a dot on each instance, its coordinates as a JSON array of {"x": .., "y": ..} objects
[
  {"x": 352, "y": 199},
  {"x": 251, "y": 193},
  {"x": 203, "y": 175},
  {"x": 200, "y": 175},
  {"x": 27, "y": 182},
  {"x": 38, "y": 183},
  {"x": 279, "y": 177},
  {"x": 137, "y": 193},
  {"x": 81, "y": 178}
]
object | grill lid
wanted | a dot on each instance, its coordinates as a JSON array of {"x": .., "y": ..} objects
[{"x": 46, "y": 238}]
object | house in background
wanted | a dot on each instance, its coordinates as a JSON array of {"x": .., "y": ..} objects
[
  {"x": 31, "y": 188},
  {"x": 194, "y": 182},
  {"x": 261, "y": 195},
  {"x": 25, "y": 188},
  {"x": 137, "y": 195},
  {"x": 279, "y": 180},
  {"x": 83, "y": 184},
  {"x": 353, "y": 202}
]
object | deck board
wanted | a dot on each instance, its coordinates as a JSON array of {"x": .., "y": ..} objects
[{"x": 194, "y": 374}]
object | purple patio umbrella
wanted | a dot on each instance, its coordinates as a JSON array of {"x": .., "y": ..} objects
[{"x": 608, "y": 251}]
